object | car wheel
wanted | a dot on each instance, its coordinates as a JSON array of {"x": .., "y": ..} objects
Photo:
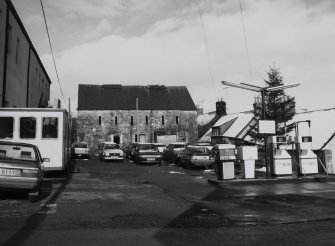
[{"x": 34, "y": 194}]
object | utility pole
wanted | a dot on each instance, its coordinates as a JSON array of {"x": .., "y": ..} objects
[{"x": 137, "y": 121}]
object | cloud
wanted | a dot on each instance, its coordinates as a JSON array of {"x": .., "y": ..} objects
[{"x": 162, "y": 42}]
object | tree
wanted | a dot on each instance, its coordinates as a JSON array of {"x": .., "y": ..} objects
[{"x": 278, "y": 106}]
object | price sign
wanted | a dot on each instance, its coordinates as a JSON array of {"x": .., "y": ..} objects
[{"x": 267, "y": 126}]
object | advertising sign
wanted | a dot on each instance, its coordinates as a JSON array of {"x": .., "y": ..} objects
[{"x": 267, "y": 126}]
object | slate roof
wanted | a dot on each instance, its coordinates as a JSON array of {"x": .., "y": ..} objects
[
  {"x": 120, "y": 97},
  {"x": 232, "y": 125}
]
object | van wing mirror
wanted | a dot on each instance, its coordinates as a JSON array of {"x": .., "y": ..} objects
[{"x": 46, "y": 160}]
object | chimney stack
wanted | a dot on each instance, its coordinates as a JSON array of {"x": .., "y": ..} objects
[{"x": 221, "y": 108}]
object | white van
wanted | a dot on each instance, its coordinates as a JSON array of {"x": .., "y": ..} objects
[{"x": 47, "y": 128}]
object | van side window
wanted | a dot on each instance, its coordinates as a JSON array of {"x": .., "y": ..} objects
[
  {"x": 50, "y": 127},
  {"x": 7, "y": 127},
  {"x": 27, "y": 127}
]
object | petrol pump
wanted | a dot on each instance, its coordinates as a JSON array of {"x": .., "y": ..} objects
[
  {"x": 281, "y": 162},
  {"x": 225, "y": 157},
  {"x": 247, "y": 156},
  {"x": 308, "y": 162}
]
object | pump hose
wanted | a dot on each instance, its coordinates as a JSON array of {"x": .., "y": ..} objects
[
  {"x": 300, "y": 166},
  {"x": 324, "y": 168}
]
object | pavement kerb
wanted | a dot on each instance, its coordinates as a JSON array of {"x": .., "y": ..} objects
[{"x": 263, "y": 181}]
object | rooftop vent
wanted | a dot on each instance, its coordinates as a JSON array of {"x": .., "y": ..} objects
[
  {"x": 113, "y": 86},
  {"x": 156, "y": 86}
]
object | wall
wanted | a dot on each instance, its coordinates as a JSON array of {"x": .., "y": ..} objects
[
  {"x": 27, "y": 83},
  {"x": 3, "y": 10},
  {"x": 331, "y": 162},
  {"x": 17, "y": 66},
  {"x": 90, "y": 131}
]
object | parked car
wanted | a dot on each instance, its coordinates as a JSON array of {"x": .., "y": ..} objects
[
  {"x": 208, "y": 145},
  {"x": 21, "y": 167},
  {"x": 199, "y": 156},
  {"x": 147, "y": 153},
  {"x": 172, "y": 151},
  {"x": 160, "y": 146},
  {"x": 79, "y": 150},
  {"x": 111, "y": 151}
]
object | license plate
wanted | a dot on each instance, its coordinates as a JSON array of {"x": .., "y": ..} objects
[
  {"x": 150, "y": 159},
  {"x": 9, "y": 172},
  {"x": 202, "y": 157}
]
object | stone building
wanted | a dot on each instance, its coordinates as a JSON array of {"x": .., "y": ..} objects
[
  {"x": 24, "y": 81},
  {"x": 124, "y": 114}
]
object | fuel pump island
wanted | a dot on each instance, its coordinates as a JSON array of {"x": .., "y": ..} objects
[{"x": 286, "y": 159}]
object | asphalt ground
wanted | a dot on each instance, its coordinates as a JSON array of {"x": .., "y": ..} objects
[{"x": 120, "y": 203}]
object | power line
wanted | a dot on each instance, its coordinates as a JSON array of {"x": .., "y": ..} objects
[
  {"x": 245, "y": 39},
  {"x": 204, "y": 35},
  {"x": 52, "y": 53}
]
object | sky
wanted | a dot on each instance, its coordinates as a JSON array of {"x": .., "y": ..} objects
[{"x": 193, "y": 43}]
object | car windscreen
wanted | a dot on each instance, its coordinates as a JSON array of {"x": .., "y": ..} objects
[
  {"x": 148, "y": 147},
  {"x": 179, "y": 146},
  {"x": 80, "y": 145},
  {"x": 17, "y": 152},
  {"x": 227, "y": 152},
  {"x": 204, "y": 151},
  {"x": 112, "y": 146}
]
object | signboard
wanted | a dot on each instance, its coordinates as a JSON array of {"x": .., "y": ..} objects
[
  {"x": 306, "y": 139},
  {"x": 267, "y": 126}
]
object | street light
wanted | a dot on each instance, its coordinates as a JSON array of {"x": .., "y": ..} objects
[{"x": 261, "y": 90}]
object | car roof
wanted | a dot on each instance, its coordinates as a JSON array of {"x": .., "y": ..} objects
[
  {"x": 196, "y": 146},
  {"x": 225, "y": 146},
  {"x": 18, "y": 143}
]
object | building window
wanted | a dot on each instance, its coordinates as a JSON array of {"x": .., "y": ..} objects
[
  {"x": 27, "y": 127},
  {"x": 177, "y": 120},
  {"x": 99, "y": 120},
  {"x": 115, "y": 120},
  {"x": 10, "y": 33},
  {"x": 7, "y": 127},
  {"x": 50, "y": 127},
  {"x": 146, "y": 120},
  {"x": 163, "y": 120},
  {"x": 132, "y": 121},
  {"x": 17, "y": 51},
  {"x": 216, "y": 131}
]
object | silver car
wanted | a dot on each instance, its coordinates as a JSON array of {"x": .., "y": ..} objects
[{"x": 20, "y": 167}]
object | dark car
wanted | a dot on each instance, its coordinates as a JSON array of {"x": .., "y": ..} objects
[
  {"x": 21, "y": 167},
  {"x": 129, "y": 150},
  {"x": 147, "y": 153},
  {"x": 172, "y": 151},
  {"x": 199, "y": 156},
  {"x": 80, "y": 150},
  {"x": 208, "y": 145}
]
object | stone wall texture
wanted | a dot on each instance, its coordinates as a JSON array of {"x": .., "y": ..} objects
[{"x": 95, "y": 127}]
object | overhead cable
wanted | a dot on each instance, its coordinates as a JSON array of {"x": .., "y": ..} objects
[
  {"x": 245, "y": 39},
  {"x": 52, "y": 53},
  {"x": 204, "y": 35}
]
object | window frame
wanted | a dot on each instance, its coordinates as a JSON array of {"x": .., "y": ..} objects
[
  {"x": 43, "y": 138},
  {"x": 19, "y": 130},
  {"x": 12, "y": 125}
]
